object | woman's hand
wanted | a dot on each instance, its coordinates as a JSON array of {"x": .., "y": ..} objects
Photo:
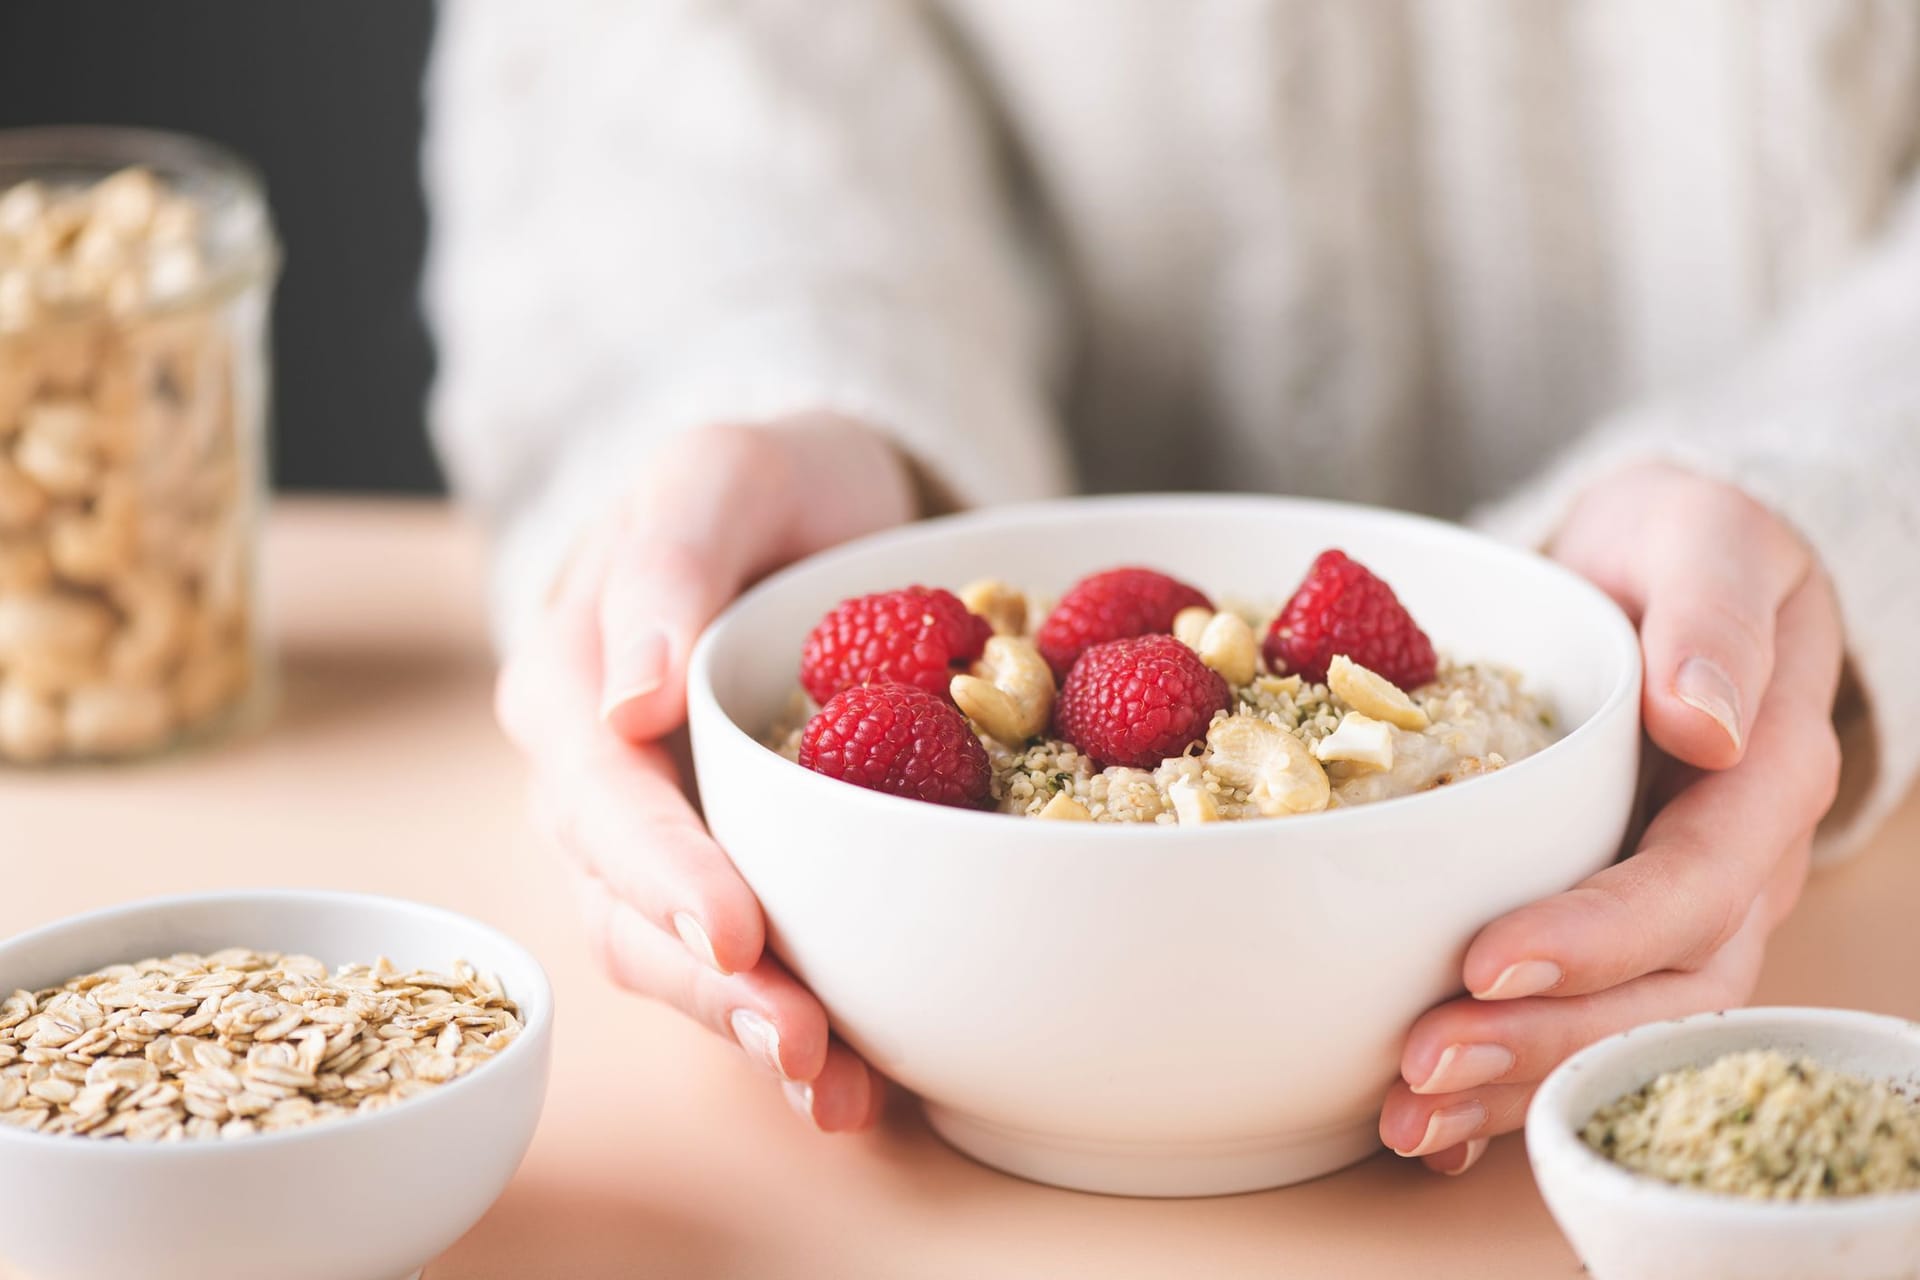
[
  {"x": 596, "y": 699},
  {"x": 1742, "y": 642}
]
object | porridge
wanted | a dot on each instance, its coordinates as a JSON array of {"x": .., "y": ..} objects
[
  {"x": 1135, "y": 699},
  {"x": 1766, "y": 1126}
]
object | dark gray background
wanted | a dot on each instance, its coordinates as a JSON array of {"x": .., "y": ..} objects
[{"x": 324, "y": 97}]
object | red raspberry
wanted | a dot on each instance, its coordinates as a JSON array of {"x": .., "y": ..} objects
[
  {"x": 1111, "y": 606},
  {"x": 1138, "y": 701},
  {"x": 1341, "y": 608},
  {"x": 898, "y": 739},
  {"x": 918, "y": 636}
]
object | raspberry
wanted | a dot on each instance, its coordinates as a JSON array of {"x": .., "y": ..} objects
[
  {"x": 1113, "y": 605},
  {"x": 899, "y": 739},
  {"x": 1341, "y": 608},
  {"x": 1138, "y": 701},
  {"x": 917, "y": 636}
]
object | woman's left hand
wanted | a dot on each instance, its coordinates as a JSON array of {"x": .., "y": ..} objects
[{"x": 1742, "y": 642}]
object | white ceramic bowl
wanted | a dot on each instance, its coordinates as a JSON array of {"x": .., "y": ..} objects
[
  {"x": 1628, "y": 1227},
  {"x": 1156, "y": 1010},
  {"x": 363, "y": 1198}
]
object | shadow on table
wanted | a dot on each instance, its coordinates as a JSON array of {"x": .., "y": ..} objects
[
  {"x": 1329, "y": 1226},
  {"x": 583, "y": 1233},
  {"x": 321, "y": 686}
]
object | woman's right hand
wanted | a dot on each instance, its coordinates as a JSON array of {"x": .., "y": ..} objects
[{"x": 596, "y": 700}]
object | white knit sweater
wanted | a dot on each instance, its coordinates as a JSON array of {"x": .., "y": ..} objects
[{"x": 1418, "y": 252}]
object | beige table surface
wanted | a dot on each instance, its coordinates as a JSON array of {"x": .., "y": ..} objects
[{"x": 662, "y": 1152}]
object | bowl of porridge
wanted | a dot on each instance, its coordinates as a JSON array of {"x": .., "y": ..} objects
[
  {"x": 297, "y": 1083},
  {"x": 1132, "y": 833},
  {"x": 1766, "y": 1143}
]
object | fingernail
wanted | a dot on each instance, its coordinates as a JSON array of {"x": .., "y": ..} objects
[
  {"x": 1467, "y": 1066},
  {"x": 1475, "y": 1149},
  {"x": 1449, "y": 1127},
  {"x": 697, "y": 941},
  {"x": 800, "y": 1098},
  {"x": 759, "y": 1037},
  {"x": 1528, "y": 978},
  {"x": 636, "y": 669},
  {"x": 1702, "y": 685}
]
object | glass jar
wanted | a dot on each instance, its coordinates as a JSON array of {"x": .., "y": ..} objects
[{"x": 136, "y": 271}]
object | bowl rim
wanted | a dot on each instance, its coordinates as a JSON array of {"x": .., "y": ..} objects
[
  {"x": 700, "y": 694},
  {"x": 539, "y": 1022},
  {"x": 1550, "y": 1128}
]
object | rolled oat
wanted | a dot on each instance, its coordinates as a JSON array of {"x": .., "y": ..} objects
[{"x": 239, "y": 1042}]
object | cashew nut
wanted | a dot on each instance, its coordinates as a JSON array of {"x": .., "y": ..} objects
[
  {"x": 1190, "y": 624},
  {"x": 155, "y": 630},
  {"x": 51, "y": 623},
  {"x": 1222, "y": 640},
  {"x": 1004, "y": 608},
  {"x": 24, "y": 566},
  {"x": 1372, "y": 694},
  {"x": 116, "y": 719},
  {"x": 1274, "y": 767},
  {"x": 1010, "y": 693},
  {"x": 1357, "y": 739},
  {"x": 97, "y": 546},
  {"x": 56, "y": 448},
  {"x": 1192, "y": 803},
  {"x": 29, "y": 726},
  {"x": 22, "y": 502},
  {"x": 1064, "y": 808}
]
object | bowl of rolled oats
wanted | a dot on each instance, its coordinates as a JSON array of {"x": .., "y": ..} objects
[
  {"x": 1132, "y": 833},
  {"x": 1773, "y": 1143},
  {"x": 185, "y": 1081}
]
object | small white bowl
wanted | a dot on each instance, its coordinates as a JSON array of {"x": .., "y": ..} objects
[
  {"x": 362, "y": 1198},
  {"x": 1159, "y": 1010},
  {"x": 1626, "y": 1226}
]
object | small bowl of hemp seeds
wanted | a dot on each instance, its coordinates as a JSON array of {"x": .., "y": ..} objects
[{"x": 1754, "y": 1143}]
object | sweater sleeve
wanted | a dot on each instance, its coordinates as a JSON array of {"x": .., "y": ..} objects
[
  {"x": 1821, "y": 422},
  {"x": 649, "y": 217}
]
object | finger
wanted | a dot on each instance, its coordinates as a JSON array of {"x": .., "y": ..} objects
[
  {"x": 1455, "y": 1161},
  {"x": 844, "y": 1098},
  {"x": 1540, "y": 1034},
  {"x": 1465, "y": 1044},
  {"x": 715, "y": 509},
  {"x": 619, "y": 810},
  {"x": 621, "y": 814},
  {"x": 1717, "y": 566},
  {"x": 1704, "y": 857},
  {"x": 779, "y": 1024}
]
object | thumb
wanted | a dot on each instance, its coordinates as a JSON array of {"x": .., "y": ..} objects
[
  {"x": 1716, "y": 577},
  {"x": 712, "y": 512}
]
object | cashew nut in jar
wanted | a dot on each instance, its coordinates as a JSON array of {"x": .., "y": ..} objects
[
  {"x": 1004, "y": 608},
  {"x": 1274, "y": 768},
  {"x": 97, "y": 546},
  {"x": 53, "y": 624},
  {"x": 25, "y": 567},
  {"x": 155, "y": 630},
  {"x": 30, "y": 728},
  {"x": 22, "y": 502},
  {"x": 1010, "y": 693},
  {"x": 57, "y": 448},
  {"x": 117, "y": 719}
]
